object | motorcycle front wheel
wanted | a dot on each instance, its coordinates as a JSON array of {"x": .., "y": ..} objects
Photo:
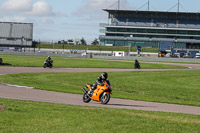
[
  {"x": 86, "y": 98},
  {"x": 105, "y": 98},
  {"x": 45, "y": 65}
]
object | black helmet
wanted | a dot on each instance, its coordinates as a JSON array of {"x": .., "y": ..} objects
[{"x": 104, "y": 75}]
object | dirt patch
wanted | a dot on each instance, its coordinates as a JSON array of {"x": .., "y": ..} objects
[{"x": 2, "y": 107}]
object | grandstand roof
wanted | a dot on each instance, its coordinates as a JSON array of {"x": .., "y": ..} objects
[{"x": 160, "y": 14}]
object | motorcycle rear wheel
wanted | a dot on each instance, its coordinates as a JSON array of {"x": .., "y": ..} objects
[
  {"x": 86, "y": 98},
  {"x": 105, "y": 98}
]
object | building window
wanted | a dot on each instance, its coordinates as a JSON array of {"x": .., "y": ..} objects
[
  {"x": 122, "y": 30},
  {"x": 192, "y": 32},
  {"x": 182, "y": 32},
  {"x": 161, "y": 31},
  {"x": 171, "y": 32},
  {"x": 141, "y": 31}
]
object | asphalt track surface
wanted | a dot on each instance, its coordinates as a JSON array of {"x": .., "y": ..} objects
[{"x": 23, "y": 93}]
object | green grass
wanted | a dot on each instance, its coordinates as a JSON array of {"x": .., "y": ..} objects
[
  {"x": 179, "y": 62},
  {"x": 99, "y": 48},
  {"x": 37, "y": 61},
  {"x": 35, "y": 117},
  {"x": 179, "y": 87}
]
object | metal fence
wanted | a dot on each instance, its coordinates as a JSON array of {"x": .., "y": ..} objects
[{"x": 197, "y": 60}]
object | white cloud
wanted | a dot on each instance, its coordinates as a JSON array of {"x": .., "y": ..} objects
[
  {"x": 99, "y": 4},
  {"x": 15, "y": 19},
  {"x": 20, "y": 19},
  {"x": 41, "y": 8},
  {"x": 61, "y": 14},
  {"x": 93, "y": 8},
  {"x": 16, "y": 5},
  {"x": 45, "y": 20}
]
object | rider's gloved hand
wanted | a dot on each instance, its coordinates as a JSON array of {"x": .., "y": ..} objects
[{"x": 92, "y": 88}]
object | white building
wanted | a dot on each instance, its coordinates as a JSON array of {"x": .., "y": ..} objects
[
  {"x": 16, "y": 34},
  {"x": 120, "y": 53}
]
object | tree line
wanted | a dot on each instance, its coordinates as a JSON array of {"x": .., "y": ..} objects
[{"x": 82, "y": 41}]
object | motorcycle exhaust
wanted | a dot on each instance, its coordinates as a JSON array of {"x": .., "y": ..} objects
[{"x": 83, "y": 89}]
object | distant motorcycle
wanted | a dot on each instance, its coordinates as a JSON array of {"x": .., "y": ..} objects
[
  {"x": 100, "y": 94},
  {"x": 136, "y": 64},
  {"x": 48, "y": 63},
  {"x": 1, "y": 61}
]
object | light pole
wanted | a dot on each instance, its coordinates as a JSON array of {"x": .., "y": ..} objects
[
  {"x": 26, "y": 44},
  {"x": 22, "y": 41},
  {"x": 63, "y": 48}
]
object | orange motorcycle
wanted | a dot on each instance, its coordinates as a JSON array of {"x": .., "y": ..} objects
[{"x": 100, "y": 94}]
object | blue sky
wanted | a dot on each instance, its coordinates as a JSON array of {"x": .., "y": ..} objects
[{"x": 69, "y": 19}]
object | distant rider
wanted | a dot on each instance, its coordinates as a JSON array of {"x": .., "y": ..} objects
[
  {"x": 100, "y": 80},
  {"x": 48, "y": 60},
  {"x": 137, "y": 64}
]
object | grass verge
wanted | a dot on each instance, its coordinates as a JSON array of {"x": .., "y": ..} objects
[
  {"x": 35, "y": 117},
  {"x": 179, "y": 87},
  {"x": 37, "y": 61}
]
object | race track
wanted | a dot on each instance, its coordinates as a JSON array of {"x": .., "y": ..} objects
[{"x": 75, "y": 99}]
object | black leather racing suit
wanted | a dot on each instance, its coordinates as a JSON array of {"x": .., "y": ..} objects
[{"x": 99, "y": 81}]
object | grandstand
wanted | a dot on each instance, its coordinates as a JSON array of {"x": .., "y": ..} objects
[
  {"x": 14, "y": 34},
  {"x": 149, "y": 28}
]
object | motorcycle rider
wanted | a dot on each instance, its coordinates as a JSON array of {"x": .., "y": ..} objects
[
  {"x": 48, "y": 58},
  {"x": 137, "y": 64},
  {"x": 100, "y": 80},
  {"x": 49, "y": 61}
]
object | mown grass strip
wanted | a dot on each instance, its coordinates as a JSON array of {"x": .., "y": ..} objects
[
  {"x": 26, "y": 116},
  {"x": 37, "y": 61},
  {"x": 179, "y": 87}
]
